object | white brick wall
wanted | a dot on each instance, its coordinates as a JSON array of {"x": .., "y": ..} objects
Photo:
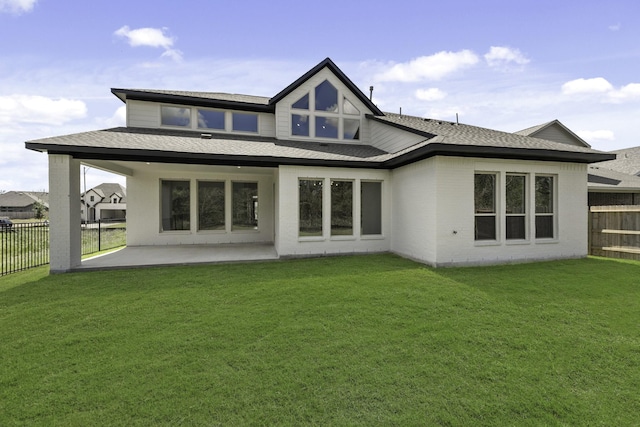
[
  {"x": 290, "y": 244},
  {"x": 446, "y": 236}
]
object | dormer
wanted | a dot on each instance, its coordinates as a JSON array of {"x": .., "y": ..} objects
[{"x": 323, "y": 105}]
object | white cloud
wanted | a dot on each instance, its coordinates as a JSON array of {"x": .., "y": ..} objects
[
  {"x": 39, "y": 109},
  {"x": 582, "y": 86},
  {"x": 596, "y": 135},
  {"x": 630, "y": 91},
  {"x": 501, "y": 56},
  {"x": 615, "y": 27},
  {"x": 17, "y": 6},
  {"x": 431, "y": 94},
  {"x": 150, "y": 37},
  {"x": 433, "y": 67}
]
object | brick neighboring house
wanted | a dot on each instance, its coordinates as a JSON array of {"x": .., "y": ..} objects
[
  {"x": 105, "y": 201},
  {"x": 318, "y": 169},
  {"x": 21, "y": 204}
]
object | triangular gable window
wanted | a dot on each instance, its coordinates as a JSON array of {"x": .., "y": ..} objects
[
  {"x": 302, "y": 103},
  {"x": 325, "y": 105}
]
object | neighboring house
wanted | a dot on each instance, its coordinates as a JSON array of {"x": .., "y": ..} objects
[
  {"x": 22, "y": 204},
  {"x": 105, "y": 201},
  {"x": 318, "y": 169},
  {"x": 609, "y": 187},
  {"x": 606, "y": 185}
]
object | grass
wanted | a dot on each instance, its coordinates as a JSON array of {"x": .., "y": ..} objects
[{"x": 366, "y": 340}]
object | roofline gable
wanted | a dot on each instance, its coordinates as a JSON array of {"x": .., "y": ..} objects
[
  {"x": 328, "y": 63},
  {"x": 554, "y": 122}
]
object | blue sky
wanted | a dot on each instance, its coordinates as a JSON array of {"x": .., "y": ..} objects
[{"x": 506, "y": 65}]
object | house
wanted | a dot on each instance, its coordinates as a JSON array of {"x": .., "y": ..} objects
[
  {"x": 318, "y": 169},
  {"x": 22, "y": 204},
  {"x": 105, "y": 201},
  {"x": 613, "y": 182}
]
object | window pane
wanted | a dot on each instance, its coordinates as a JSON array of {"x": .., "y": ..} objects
[
  {"x": 341, "y": 208},
  {"x": 175, "y": 116},
  {"x": 299, "y": 125},
  {"x": 349, "y": 108},
  {"x": 210, "y": 205},
  {"x": 175, "y": 200},
  {"x": 310, "y": 192},
  {"x": 485, "y": 193},
  {"x": 208, "y": 119},
  {"x": 544, "y": 226},
  {"x": 544, "y": 194},
  {"x": 244, "y": 211},
  {"x": 515, "y": 189},
  {"x": 516, "y": 227},
  {"x": 326, "y": 97},
  {"x": 371, "y": 215},
  {"x": 327, "y": 127},
  {"x": 486, "y": 227},
  {"x": 245, "y": 122},
  {"x": 351, "y": 129},
  {"x": 302, "y": 103}
]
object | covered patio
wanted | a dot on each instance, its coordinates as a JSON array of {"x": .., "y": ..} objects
[{"x": 148, "y": 256}]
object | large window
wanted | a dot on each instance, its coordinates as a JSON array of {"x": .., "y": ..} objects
[
  {"x": 244, "y": 206},
  {"x": 310, "y": 199},
  {"x": 371, "y": 207},
  {"x": 516, "y": 190},
  {"x": 320, "y": 113},
  {"x": 341, "y": 208},
  {"x": 485, "y": 206},
  {"x": 544, "y": 207},
  {"x": 175, "y": 116},
  {"x": 211, "y": 211},
  {"x": 175, "y": 200}
]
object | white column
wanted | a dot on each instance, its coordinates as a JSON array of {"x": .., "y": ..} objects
[{"x": 64, "y": 213}]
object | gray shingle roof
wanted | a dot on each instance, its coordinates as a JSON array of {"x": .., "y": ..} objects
[
  {"x": 602, "y": 178},
  {"x": 627, "y": 161},
  {"x": 214, "y": 96},
  {"x": 21, "y": 199},
  {"x": 461, "y": 134}
]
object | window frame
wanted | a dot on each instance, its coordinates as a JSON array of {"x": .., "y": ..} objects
[
  {"x": 241, "y": 228},
  {"x": 494, "y": 213},
  {"x": 315, "y": 235},
  {"x": 313, "y": 115},
  {"x": 224, "y": 206},
  {"x": 553, "y": 202},
  {"x": 337, "y": 235},
  {"x": 170, "y": 217},
  {"x": 525, "y": 207}
]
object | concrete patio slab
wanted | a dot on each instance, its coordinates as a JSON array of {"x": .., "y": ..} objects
[{"x": 147, "y": 256}]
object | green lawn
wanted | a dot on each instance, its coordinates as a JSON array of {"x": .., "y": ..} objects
[{"x": 366, "y": 340}]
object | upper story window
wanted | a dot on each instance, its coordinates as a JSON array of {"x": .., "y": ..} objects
[
  {"x": 175, "y": 116},
  {"x": 210, "y": 119},
  {"x": 245, "y": 122},
  {"x": 319, "y": 113}
]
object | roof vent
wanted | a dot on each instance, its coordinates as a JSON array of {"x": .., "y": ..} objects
[
  {"x": 205, "y": 135},
  {"x": 324, "y": 144}
]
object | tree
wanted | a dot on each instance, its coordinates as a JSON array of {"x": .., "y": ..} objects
[{"x": 39, "y": 210}]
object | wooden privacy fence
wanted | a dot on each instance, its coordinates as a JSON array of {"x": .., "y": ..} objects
[{"x": 614, "y": 231}]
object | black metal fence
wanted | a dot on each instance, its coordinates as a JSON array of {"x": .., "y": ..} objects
[
  {"x": 23, "y": 246},
  {"x": 102, "y": 235},
  {"x": 26, "y": 245}
]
